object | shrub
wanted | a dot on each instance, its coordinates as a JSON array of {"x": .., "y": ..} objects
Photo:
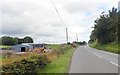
[{"x": 26, "y": 65}]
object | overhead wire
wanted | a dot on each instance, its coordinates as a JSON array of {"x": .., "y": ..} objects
[
  {"x": 58, "y": 14},
  {"x": 61, "y": 20}
]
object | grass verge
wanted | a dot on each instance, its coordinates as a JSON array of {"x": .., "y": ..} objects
[
  {"x": 60, "y": 65},
  {"x": 111, "y": 47}
]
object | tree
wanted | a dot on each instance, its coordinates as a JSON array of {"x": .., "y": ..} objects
[
  {"x": 82, "y": 43},
  {"x": 118, "y": 26},
  {"x": 106, "y": 28},
  {"x": 6, "y": 40},
  {"x": 28, "y": 39},
  {"x": 68, "y": 43}
]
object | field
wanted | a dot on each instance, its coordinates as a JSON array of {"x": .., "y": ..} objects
[
  {"x": 55, "y": 46},
  {"x": 2, "y": 52},
  {"x": 3, "y": 46}
]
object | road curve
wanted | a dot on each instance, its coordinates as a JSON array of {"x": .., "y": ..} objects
[{"x": 90, "y": 60}]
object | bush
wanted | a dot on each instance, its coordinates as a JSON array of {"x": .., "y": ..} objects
[
  {"x": 19, "y": 68},
  {"x": 25, "y": 66}
]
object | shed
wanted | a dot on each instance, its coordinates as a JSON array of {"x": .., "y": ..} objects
[
  {"x": 22, "y": 47},
  {"x": 37, "y": 45},
  {"x": 27, "y": 47}
]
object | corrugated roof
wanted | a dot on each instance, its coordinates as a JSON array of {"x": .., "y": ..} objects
[
  {"x": 22, "y": 45},
  {"x": 27, "y": 44},
  {"x": 32, "y": 43}
]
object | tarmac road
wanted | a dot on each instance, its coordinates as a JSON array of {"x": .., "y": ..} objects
[{"x": 89, "y": 60}]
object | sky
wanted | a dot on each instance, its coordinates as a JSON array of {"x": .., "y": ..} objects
[{"x": 38, "y": 18}]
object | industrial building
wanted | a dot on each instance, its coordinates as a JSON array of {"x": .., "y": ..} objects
[{"x": 25, "y": 47}]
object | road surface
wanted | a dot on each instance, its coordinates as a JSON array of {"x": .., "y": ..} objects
[{"x": 89, "y": 60}]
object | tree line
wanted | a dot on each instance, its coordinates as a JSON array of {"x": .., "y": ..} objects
[
  {"x": 7, "y": 40},
  {"x": 106, "y": 27},
  {"x": 82, "y": 43},
  {"x": 79, "y": 43}
]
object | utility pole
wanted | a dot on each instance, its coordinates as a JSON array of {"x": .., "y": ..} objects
[
  {"x": 77, "y": 37},
  {"x": 61, "y": 20},
  {"x": 66, "y": 34}
]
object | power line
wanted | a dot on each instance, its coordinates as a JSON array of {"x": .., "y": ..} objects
[
  {"x": 58, "y": 13},
  {"x": 61, "y": 20}
]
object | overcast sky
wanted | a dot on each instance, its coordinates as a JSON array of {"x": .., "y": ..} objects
[{"x": 38, "y": 18}]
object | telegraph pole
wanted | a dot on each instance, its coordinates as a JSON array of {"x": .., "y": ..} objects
[
  {"x": 77, "y": 37},
  {"x": 66, "y": 34},
  {"x": 61, "y": 20}
]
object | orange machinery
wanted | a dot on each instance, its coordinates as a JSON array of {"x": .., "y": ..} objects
[{"x": 40, "y": 50}]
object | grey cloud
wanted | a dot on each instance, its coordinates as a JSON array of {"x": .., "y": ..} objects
[
  {"x": 76, "y": 7},
  {"x": 13, "y": 29},
  {"x": 11, "y": 25},
  {"x": 39, "y": 19},
  {"x": 44, "y": 34},
  {"x": 17, "y": 8},
  {"x": 83, "y": 7},
  {"x": 50, "y": 32},
  {"x": 57, "y": 25},
  {"x": 14, "y": 21}
]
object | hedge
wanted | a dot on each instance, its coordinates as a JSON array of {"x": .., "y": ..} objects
[{"x": 25, "y": 65}]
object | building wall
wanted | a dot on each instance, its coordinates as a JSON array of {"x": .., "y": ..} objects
[
  {"x": 37, "y": 45},
  {"x": 29, "y": 47},
  {"x": 17, "y": 48}
]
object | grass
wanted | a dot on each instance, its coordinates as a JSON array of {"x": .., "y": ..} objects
[
  {"x": 60, "y": 65},
  {"x": 111, "y": 47},
  {"x": 1, "y": 58},
  {"x": 55, "y": 46},
  {"x": 3, "y": 46}
]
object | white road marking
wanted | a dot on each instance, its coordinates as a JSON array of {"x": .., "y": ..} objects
[
  {"x": 98, "y": 55},
  {"x": 109, "y": 53},
  {"x": 114, "y": 64}
]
